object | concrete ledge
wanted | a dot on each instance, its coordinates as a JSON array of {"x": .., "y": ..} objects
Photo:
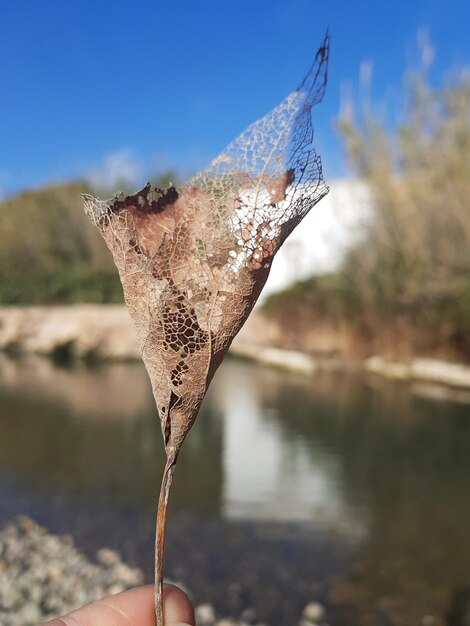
[
  {"x": 84, "y": 330},
  {"x": 428, "y": 370},
  {"x": 106, "y": 332}
]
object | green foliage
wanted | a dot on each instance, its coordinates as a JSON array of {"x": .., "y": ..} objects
[
  {"x": 51, "y": 253},
  {"x": 45, "y": 229},
  {"x": 66, "y": 285},
  {"x": 329, "y": 295}
]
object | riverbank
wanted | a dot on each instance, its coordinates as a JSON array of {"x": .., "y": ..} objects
[
  {"x": 84, "y": 331},
  {"x": 353, "y": 468},
  {"x": 105, "y": 332},
  {"x": 43, "y": 575}
]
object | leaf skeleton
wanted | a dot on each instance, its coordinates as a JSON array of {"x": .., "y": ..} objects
[{"x": 193, "y": 261}]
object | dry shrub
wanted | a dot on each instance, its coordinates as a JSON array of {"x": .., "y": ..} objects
[{"x": 411, "y": 272}]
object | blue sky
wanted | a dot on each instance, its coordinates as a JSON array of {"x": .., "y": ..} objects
[{"x": 100, "y": 88}]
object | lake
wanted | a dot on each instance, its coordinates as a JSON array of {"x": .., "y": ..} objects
[{"x": 342, "y": 488}]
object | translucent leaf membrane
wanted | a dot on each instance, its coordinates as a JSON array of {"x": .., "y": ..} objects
[{"x": 193, "y": 261}]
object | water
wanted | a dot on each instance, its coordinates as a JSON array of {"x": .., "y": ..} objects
[{"x": 342, "y": 488}]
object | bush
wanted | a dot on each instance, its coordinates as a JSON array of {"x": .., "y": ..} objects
[
  {"x": 51, "y": 253},
  {"x": 405, "y": 287},
  {"x": 414, "y": 260}
]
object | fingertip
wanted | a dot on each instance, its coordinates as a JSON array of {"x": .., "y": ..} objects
[{"x": 177, "y": 608}]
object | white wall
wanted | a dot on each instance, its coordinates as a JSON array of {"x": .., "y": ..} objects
[{"x": 319, "y": 242}]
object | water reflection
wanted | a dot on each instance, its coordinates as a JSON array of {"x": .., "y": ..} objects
[
  {"x": 239, "y": 462},
  {"x": 315, "y": 466},
  {"x": 119, "y": 391},
  {"x": 271, "y": 471}
]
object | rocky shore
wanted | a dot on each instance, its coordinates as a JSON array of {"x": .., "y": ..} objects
[
  {"x": 44, "y": 575},
  {"x": 105, "y": 332},
  {"x": 84, "y": 331}
]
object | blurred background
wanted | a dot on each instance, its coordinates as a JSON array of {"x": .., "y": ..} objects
[{"x": 327, "y": 478}]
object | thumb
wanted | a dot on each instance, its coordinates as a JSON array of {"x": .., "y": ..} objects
[
  {"x": 177, "y": 609},
  {"x": 133, "y": 608}
]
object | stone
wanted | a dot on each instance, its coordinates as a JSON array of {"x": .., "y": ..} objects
[
  {"x": 43, "y": 575},
  {"x": 107, "y": 557},
  {"x": 248, "y": 616},
  {"x": 205, "y": 614},
  {"x": 314, "y": 613}
]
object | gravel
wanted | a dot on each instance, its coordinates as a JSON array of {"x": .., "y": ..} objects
[{"x": 44, "y": 575}]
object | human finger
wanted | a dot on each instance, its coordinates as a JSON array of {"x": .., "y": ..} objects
[{"x": 135, "y": 606}]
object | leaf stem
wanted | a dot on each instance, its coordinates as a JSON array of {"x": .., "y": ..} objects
[{"x": 160, "y": 537}]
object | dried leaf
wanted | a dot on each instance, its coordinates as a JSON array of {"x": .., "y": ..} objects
[{"x": 193, "y": 262}]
